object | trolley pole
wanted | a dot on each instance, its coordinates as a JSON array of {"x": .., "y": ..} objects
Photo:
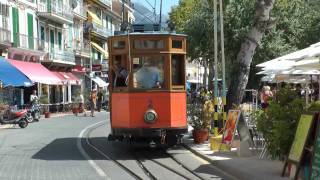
[{"x": 160, "y": 15}]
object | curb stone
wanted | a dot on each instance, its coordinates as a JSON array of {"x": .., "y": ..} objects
[
  {"x": 5, "y": 126},
  {"x": 233, "y": 173}
]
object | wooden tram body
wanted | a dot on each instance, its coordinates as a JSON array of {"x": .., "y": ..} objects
[{"x": 138, "y": 112}]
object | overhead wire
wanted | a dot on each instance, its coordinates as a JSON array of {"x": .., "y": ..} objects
[
  {"x": 153, "y": 8},
  {"x": 144, "y": 15},
  {"x": 150, "y": 4}
]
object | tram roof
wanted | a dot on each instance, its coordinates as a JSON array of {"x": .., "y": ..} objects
[{"x": 147, "y": 33}]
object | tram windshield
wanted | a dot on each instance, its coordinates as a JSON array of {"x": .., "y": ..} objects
[{"x": 148, "y": 72}]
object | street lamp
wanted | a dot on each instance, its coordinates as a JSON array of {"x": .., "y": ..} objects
[{"x": 1, "y": 84}]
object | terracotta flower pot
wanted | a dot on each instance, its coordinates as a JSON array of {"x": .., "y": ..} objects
[
  {"x": 200, "y": 135},
  {"x": 75, "y": 110},
  {"x": 47, "y": 114}
]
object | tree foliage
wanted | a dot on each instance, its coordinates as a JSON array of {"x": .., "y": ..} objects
[{"x": 296, "y": 26}]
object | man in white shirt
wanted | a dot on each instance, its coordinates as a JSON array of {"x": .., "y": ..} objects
[{"x": 33, "y": 97}]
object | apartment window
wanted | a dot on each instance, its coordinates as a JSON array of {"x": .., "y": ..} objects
[
  {"x": 98, "y": 13},
  {"x": 70, "y": 36},
  {"x": 42, "y": 33},
  {"x": 4, "y": 10},
  {"x": 99, "y": 56},
  {"x": 5, "y": 23},
  {"x": 107, "y": 22},
  {"x": 111, "y": 25},
  {"x": 60, "y": 40},
  {"x": 76, "y": 28}
]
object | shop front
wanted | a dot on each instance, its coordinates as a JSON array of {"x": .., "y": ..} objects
[
  {"x": 44, "y": 81},
  {"x": 12, "y": 83}
]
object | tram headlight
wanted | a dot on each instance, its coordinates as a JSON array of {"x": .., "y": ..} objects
[{"x": 150, "y": 116}]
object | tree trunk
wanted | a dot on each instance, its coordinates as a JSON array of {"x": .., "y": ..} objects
[
  {"x": 205, "y": 73},
  {"x": 241, "y": 68},
  {"x": 211, "y": 74}
]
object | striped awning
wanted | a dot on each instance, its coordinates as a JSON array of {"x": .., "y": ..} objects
[
  {"x": 100, "y": 49},
  {"x": 94, "y": 18}
]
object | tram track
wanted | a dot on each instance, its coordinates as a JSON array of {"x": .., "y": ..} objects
[
  {"x": 140, "y": 161},
  {"x": 127, "y": 170},
  {"x": 172, "y": 169}
]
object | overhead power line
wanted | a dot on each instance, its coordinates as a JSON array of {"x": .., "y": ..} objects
[
  {"x": 150, "y": 4},
  {"x": 144, "y": 15}
]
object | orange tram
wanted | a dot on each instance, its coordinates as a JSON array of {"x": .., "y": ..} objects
[{"x": 147, "y": 87}]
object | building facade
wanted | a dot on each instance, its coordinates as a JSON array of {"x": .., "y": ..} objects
[{"x": 64, "y": 36}]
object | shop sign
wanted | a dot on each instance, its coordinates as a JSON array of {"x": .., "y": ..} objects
[{"x": 96, "y": 67}]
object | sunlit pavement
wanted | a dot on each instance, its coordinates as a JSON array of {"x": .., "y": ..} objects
[{"x": 76, "y": 147}]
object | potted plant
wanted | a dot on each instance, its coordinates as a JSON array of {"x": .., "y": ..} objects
[
  {"x": 75, "y": 109},
  {"x": 45, "y": 105},
  {"x": 200, "y": 115}
]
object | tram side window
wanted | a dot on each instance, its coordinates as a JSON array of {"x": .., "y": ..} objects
[
  {"x": 148, "y": 72},
  {"x": 177, "y": 44},
  {"x": 120, "y": 72},
  {"x": 119, "y": 44},
  {"x": 148, "y": 44},
  {"x": 177, "y": 67}
]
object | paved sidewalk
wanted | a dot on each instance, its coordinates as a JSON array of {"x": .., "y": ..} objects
[{"x": 244, "y": 168}]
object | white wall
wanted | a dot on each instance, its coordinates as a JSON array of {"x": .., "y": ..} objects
[{"x": 196, "y": 72}]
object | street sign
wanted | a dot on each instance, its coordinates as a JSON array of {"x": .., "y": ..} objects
[
  {"x": 299, "y": 142},
  {"x": 300, "y": 137},
  {"x": 96, "y": 67}
]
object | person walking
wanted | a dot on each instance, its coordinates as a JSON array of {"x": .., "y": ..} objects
[
  {"x": 265, "y": 95},
  {"x": 81, "y": 104},
  {"x": 100, "y": 98},
  {"x": 93, "y": 100}
]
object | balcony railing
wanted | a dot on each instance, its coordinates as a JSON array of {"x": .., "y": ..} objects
[
  {"x": 56, "y": 7},
  {"x": 103, "y": 31},
  {"x": 129, "y": 3},
  {"x": 81, "y": 46},
  {"x": 81, "y": 10},
  {"x": 106, "y": 2},
  {"x": 5, "y": 36},
  {"x": 57, "y": 54},
  {"x": 26, "y": 42}
]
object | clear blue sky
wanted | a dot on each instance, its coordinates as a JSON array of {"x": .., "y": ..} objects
[{"x": 166, "y": 5}]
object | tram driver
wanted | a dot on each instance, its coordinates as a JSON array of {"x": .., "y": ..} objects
[{"x": 148, "y": 76}]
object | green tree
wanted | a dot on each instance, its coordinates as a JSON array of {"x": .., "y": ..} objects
[{"x": 251, "y": 35}]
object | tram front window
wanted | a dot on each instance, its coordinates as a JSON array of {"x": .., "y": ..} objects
[{"x": 148, "y": 72}]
